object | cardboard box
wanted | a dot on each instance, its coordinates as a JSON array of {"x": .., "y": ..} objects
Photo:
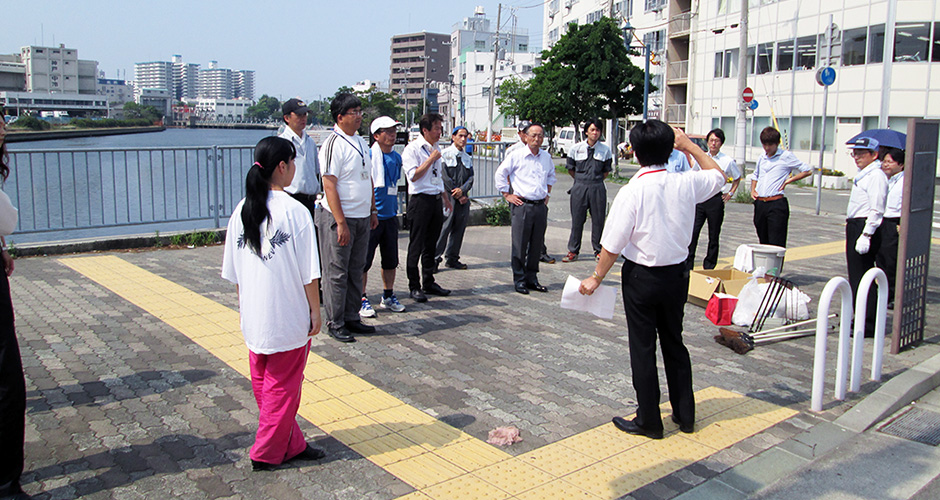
[{"x": 702, "y": 284}]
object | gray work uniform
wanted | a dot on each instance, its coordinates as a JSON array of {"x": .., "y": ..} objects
[
  {"x": 457, "y": 173},
  {"x": 590, "y": 164}
]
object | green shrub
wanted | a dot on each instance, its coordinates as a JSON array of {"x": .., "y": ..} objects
[
  {"x": 109, "y": 123},
  {"x": 834, "y": 173},
  {"x": 30, "y": 122},
  {"x": 742, "y": 196},
  {"x": 497, "y": 214}
]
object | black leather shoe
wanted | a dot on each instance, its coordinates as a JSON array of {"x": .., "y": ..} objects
[
  {"x": 418, "y": 296},
  {"x": 435, "y": 289},
  {"x": 456, "y": 265},
  {"x": 548, "y": 259},
  {"x": 522, "y": 289},
  {"x": 262, "y": 466},
  {"x": 310, "y": 453},
  {"x": 437, "y": 266},
  {"x": 688, "y": 429},
  {"x": 630, "y": 427},
  {"x": 537, "y": 287},
  {"x": 341, "y": 334},
  {"x": 359, "y": 327}
]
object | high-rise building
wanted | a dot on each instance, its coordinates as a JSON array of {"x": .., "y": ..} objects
[
  {"x": 185, "y": 79},
  {"x": 244, "y": 86},
  {"x": 416, "y": 60},
  {"x": 216, "y": 82},
  {"x": 154, "y": 75}
]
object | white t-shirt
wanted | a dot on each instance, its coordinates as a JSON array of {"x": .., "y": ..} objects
[
  {"x": 349, "y": 159},
  {"x": 650, "y": 221},
  {"x": 275, "y": 315},
  {"x": 727, "y": 163},
  {"x": 416, "y": 153}
]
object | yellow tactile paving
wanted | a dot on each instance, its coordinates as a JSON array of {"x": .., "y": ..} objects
[{"x": 440, "y": 461}]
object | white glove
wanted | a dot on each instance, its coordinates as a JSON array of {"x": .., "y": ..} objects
[{"x": 862, "y": 244}]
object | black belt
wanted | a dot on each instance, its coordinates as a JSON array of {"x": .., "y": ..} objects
[
  {"x": 312, "y": 198},
  {"x": 533, "y": 202},
  {"x": 426, "y": 194}
]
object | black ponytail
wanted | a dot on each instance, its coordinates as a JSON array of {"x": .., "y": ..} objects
[{"x": 269, "y": 153}]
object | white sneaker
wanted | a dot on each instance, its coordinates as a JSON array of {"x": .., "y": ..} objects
[
  {"x": 392, "y": 304},
  {"x": 366, "y": 310}
]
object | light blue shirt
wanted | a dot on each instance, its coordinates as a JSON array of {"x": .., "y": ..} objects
[
  {"x": 306, "y": 177},
  {"x": 772, "y": 171},
  {"x": 677, "y": 162}
]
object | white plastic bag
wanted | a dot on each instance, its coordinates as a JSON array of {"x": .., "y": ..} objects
[
  {"x": 749, "y": 300},
  {"x": 794, "y": 305}
]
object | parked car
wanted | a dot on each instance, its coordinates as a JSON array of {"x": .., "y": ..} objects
[{"x": 564, "y": 141}]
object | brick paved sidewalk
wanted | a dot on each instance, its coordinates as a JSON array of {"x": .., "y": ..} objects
[{"x": 121, "y": 405}]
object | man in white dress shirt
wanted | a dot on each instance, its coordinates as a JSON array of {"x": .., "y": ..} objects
[
  {"x": 650, "y": 224},
  {"x": 521, "y": 144},
  {"x": 306, "y": 184},
  {"x": 771, "y": 176},
  {"x": 863, "y": 218},
  {"x": 525, "y": 180},
  {"x": 892, "y": 162},
  {"x": 713, "y": 209},
  {"x": 421, "y": 161}
]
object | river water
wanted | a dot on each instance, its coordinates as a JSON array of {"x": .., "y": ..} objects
[{"x": 120, "y": 193}]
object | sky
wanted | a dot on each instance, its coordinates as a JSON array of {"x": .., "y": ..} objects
[{"x": 305, "y": 49}]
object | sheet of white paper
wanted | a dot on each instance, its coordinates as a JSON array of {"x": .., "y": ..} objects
[{"x": 600, "y": 303}]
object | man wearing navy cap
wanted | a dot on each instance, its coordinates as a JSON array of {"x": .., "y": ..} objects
[
  {"x": 306, "y": 184},
  {"x": 458, "y": 179},
  {"x": 863, "y": 219}
]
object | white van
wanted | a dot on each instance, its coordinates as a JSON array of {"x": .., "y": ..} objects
[{"x": 564, "y": 141}]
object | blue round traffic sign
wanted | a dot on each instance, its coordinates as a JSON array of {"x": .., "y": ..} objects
[
  {"x": 753, "y": 105},
  {"x": 826, "y": 76}
]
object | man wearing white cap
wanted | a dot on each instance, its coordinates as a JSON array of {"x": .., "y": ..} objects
[
  {"x": 386, "y": 171},
  {"x": 863, "y": 219}
]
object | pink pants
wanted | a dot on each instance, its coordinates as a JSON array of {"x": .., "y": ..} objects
[{"x": 276, "y": 380}]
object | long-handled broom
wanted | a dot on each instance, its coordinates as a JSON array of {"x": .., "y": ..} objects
[{"x": 742, "y": 342}]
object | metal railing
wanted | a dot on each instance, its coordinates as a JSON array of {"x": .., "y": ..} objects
[
  {"x": 678, "y": 70},
  {"x": 78, "y": 189},
  {"x": 675, "y": 113},
  {"x": 680, "y": 24}
]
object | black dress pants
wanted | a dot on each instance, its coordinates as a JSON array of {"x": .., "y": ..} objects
[
  {"x": 654, "y": 301},
  {"x": 713, "y": 211},
  {"x": 858, "y": 264},
  {"x": 887, "y": 258},
  {"x": 771, "y": 219},
  {"x": 529, "y": 221},
  {"x": 12, "y": 397},
  {"x": 425, "y": 217}
]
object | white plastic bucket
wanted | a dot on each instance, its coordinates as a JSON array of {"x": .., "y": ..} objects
[{"x": 770, "y": 257}]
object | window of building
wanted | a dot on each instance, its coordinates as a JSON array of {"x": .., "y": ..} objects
[
  {"x": 526, "y": 68},
  {"x": 479, "y": 44},
  {"x": 911, "y": 42},
  {"x": 479, "y": 68},
  {"x": 806, "y": 52},
  {"x": 876, "y": 43},
  {"x": 731, "y": 63},
  {"x": 655, "y": 40},
  {"x": 653, "y": 5},
  {"x": 751, "y": 59},
  {"x": 785, "y": 55},
  {"x": 765, "y": 58},
  {"x": 853, "y": 46},
  {"x": 523, "y": 47},
  {"x": 595, "y": 16},
  {"x": 719, "y": 65},
  {"x": 486, "y": 91}
]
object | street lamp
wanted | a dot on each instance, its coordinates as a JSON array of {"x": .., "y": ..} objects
[{"x": 629, "y": 34}]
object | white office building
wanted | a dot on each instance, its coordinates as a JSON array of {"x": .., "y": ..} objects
[
  {"x": 185, "y": 79},
  {"x": 221, "y": 110},
  {"x": 472, "y": 43},
  {"x": 154, "y": 75},
  {"x": 244, "y": 84},
  {"x": 895, "y": 80}
]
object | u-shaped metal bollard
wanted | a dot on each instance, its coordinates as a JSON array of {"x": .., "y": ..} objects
[
  {"x": 861, "y": 308},
  {"x": 822, "y": 328}
]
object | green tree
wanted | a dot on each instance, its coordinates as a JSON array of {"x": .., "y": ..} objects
[
  {"x": 267, "y": 108},
  {"x": 376, "y": 104},
  {"x": 587, "y": 73},
  {"x": 509, "y": 101},
  {"x": 132, "y": 111}
]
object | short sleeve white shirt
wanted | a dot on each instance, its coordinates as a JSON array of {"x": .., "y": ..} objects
[
  {"x": 416, "y": 153},
  {"x": 728, "y": 165},
  {"x": 772, "y": 171},
  {"x": 272, "y": 304},
  {"x": 306, "y": 179},
  {"x": 650, "y": 221},
  {"x": 528, "y": 175},
  {"x": 349, "y": 159},
  {"x": 895, "y": 195}
]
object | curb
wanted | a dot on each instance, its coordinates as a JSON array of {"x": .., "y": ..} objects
[{"x": 762, "y": 470}]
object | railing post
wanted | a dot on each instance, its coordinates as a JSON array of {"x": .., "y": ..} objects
[
  {"x": 861, "y": 308},
  {"x": 215, "y": 185},
  {"x": 822, "y": 327}
]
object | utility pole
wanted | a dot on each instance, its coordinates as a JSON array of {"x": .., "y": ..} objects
[
  {"x": 489, "y": 123},
  {"x": 890, "y": 25},
  {"x": 740, "y": 116}
]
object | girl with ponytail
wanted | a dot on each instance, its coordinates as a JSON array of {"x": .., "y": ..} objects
[{"x": 270, "y": 255}]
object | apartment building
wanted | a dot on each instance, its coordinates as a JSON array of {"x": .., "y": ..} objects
[{"x": 416, "y": 60}]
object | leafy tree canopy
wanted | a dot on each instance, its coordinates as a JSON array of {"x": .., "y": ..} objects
[
  {"x": 132, "y": 111},
  {"x": 267, "y": 108}
]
